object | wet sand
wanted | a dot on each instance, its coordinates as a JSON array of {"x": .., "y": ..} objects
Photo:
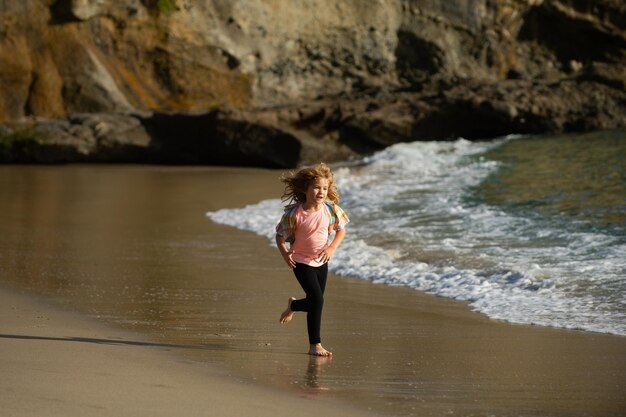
[
  {"x": 56, "y": 363},
  {"x": 137, "y": 253}
]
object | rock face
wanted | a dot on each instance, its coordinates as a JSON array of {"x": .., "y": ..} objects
[{"x": 272, "y": 83}]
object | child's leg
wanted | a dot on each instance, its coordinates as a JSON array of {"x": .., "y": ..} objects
[
  {"x": 317, "y": 349},
  {"x": 322, "y": 275},
  {"x": 313, "y": 282}
]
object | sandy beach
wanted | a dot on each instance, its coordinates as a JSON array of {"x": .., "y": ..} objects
[
  {"x": 202, "y": 336},
  {"x": 56, "y": 363}
]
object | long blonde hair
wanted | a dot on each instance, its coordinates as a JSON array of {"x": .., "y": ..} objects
[{"x": 296, "y": 184}]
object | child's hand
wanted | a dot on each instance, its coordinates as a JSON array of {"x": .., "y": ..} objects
[
  {"x": 285, "y": 252},
  {"x": 326, "y": 254},
  {"x": 287, "y": 256}
]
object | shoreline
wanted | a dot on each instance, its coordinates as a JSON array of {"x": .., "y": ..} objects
[
  {"x": 66, "y": 362},
  {"x": 197, "y": 305}
]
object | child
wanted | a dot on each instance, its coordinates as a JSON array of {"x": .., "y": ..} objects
[{"x": 306, "y": 226}]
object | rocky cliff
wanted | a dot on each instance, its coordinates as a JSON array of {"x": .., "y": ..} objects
[{"x": 281, "y": 82}]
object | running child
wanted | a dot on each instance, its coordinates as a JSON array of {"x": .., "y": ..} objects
[{"x": 311, "y": 215}]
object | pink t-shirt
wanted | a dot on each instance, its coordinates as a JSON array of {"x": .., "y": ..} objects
[{"x": 311, "y": 235}]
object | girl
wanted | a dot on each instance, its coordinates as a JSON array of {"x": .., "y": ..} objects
[{"x": 311, "y": 214}]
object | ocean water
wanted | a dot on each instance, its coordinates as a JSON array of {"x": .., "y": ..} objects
[{"x": 526, "y": 229}]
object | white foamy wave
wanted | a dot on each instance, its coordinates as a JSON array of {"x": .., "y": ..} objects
[
  {"x": 260, "y": 218},
  {"x": 413, "y": 225}
]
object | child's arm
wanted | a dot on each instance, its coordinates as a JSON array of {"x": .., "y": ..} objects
[
  {"x": 285, "y": 253},
  {"x": 326, "y": 254}
]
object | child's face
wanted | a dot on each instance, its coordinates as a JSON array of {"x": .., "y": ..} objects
[{"x": 317, "y": 191}]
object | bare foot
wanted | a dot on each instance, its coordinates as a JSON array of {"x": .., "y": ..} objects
[
  {"x": 318, "y": 350},
  {"x": 286, "y": 316}
]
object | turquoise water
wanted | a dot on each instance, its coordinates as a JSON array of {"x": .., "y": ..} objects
[
  {"x": 582, "y": 177},
  {"x": 527, "y": 229}
]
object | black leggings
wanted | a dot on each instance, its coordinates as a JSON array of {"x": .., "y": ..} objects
[{"x": 313, "y": 281}]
